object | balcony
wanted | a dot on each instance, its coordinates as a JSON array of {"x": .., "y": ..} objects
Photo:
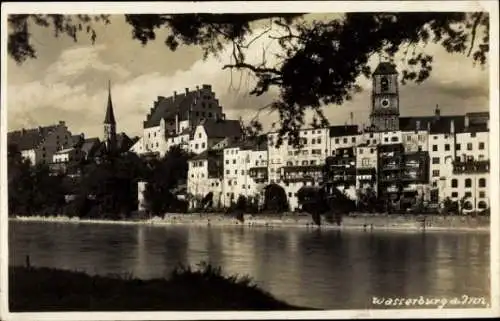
[
  {"x": 256, "y": 171},
  {"x": 471, "y": 167},
  {"x": 303, "y": 168},
  {"x": 390, "y": 178},
  {"x": 342, "y": 178},
  {"x": 301, "y": 178}
]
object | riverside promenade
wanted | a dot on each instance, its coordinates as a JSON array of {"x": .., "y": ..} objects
[{"x": 353, "y": 221}]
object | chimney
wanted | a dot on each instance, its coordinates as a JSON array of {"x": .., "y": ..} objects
[
  {"x": 187, "y": 91},
  {"x": 62, "y": 123},
  {"x": 428, "y": 126},
  {"x": 418, "y": 125},
  {"x": 197, "y": 88},
  {"x": 466, "y": 121},
  {"x": 437, "y": 112},
  {"x": 452, "y": 126},
  {"x": 175, "y": 94}
]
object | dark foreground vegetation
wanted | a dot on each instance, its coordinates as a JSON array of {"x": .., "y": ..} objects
[{"x": 207, "y": 288}]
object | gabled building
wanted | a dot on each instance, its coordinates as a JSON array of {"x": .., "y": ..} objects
[
  {"x": 40, "y": 144},
  {"x": 175, "y": 117}
]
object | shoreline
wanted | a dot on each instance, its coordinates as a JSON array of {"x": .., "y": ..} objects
[{"x": 363, "y": 223}]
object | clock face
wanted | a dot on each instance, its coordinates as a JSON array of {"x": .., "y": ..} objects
[{"x": 385, "y": 103}]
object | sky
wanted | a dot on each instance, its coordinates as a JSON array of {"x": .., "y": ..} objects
[{"x": 68, "y": 81}]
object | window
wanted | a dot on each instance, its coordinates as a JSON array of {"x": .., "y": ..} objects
[
  {"x": 482, "y": 205},
  {"x": 361, "y": 150},
  {"x": 234, "y": 161},
  {"x": 468, "y": 194},
  {"x": 472, "y": 134},
  {"x": 345, "y": 140},
  {"x": 202, "y": 145},
  {"x": 469, "y": 146},
  {"x": 435, "y": 160},
  {"x": 353, "y": 139},
  {"x": 336, "y": 141},
  {"x": 386, "y": 139},
  {"x": 195, "y": 146},
  {"x": 454, "y": 194},
  {"x": 374, "y": 142},
  {"x": 227, "y": 171},
  {"x": 434, "y": 148},
  {"x": 384, "y": 84},
  {"x": 313, "y": 141},
  {"x": 482, "y": 182},
  {"x": 446, "y": 147},
  {"x": 454, "y": 183},
  {"x": 235, "y": 172},
  {"x": 394, "y": 139},
  {"x": 227, "y": 161},
  {"x": 481, "y": 145},
  {"x": 482, "y": 194},
  {"x": 468, "y": 182},
  {"x": 318, "y": 141},
  {"x": 289, "y": 194},
  {"x": 435, "y": 173}
]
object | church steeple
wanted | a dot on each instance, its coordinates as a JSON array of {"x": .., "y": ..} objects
[
  {"x": 109, "y": 123},
  {"x": 110, "y": 116}
]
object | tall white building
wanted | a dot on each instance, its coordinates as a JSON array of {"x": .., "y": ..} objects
[{"x": 175, "y": 120}]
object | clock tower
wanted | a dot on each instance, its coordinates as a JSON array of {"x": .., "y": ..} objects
[{"x": 385, "y": 98}]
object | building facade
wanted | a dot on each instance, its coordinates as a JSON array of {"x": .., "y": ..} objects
[
  {"x": 404, "y": 160},
  {"x": 40, "y": 144}
]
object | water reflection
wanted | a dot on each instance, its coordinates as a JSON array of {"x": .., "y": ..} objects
[{"x": 325, "y": 269}]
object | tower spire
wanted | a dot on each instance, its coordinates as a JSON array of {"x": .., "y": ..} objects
[
  {"x": 110, "y": 123},
  {"x": 110, "y": 116}
]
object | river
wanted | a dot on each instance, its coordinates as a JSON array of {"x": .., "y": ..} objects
[{"x": 327, "y": 269}]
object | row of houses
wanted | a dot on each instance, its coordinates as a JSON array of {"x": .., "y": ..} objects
[
  {"x": 56, "y": 146},
  {"x": 399, "y": 166},
  {"x": 433, "y": 157}
]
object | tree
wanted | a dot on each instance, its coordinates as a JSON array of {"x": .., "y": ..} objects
[
  {"x": 208, "y": 201},
  {"x": 112, "y": 184},
  {"x": 275, "y": 199},
  {"x": 367, "y": 200},
  {"x": 321, "y": 61},
  {"x": 33, "y": 190},
  {"x": 165, "y": 175}
]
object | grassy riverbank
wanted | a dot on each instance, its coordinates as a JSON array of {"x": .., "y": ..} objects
[
  {"x": 44, "y": 289},
  {"x": 357, "y": 221}
]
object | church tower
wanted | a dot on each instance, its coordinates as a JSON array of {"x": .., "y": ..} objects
[
  {"x": 109, "y": 137},
  {"x": 385, "y": 98}
]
